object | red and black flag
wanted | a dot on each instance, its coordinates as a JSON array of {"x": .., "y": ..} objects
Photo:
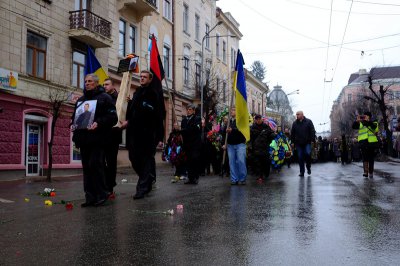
[{"x": 157, "y": 69}]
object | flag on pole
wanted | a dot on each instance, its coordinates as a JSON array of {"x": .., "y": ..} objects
[
  {"x": 156, "y": 66},
  {"x": 157, "y": 69},
  {"x": 93, "y": 66},
  {"x": 239, "y": 84}
]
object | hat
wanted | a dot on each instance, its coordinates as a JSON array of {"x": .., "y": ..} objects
[
  {"x": 368, "y": 114},
  {"x": 257, "y": 117}
]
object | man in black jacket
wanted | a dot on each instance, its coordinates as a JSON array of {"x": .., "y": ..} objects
[
  {"x": 92, "y": 140},
  {"x": 302, "y": 134},
  {"x": 144, "y": 119},
  {"x": 113, "y": 142},
  {"x": 191, "y": 133},
  {"x": 261, "y": 136}
]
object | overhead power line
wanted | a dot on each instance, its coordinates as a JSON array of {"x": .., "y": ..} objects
[
  {"x": 343, "y": 11},
  {"x": 374, "y": 3}
]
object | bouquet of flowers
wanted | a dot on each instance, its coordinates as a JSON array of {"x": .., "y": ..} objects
[
  {"x": 215, "y": 139},
  {"x": 48, "y": 192}
]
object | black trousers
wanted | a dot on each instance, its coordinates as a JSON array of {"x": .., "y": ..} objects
[
  {"x": 193, "y": 164},
  {"x": 111, "y": 153},
  {"x": 143, "y": 162},
  {"x": 262, "y": 165},
  {"x": 368, "y": 154},
  {"x": 93, "y": 163}
]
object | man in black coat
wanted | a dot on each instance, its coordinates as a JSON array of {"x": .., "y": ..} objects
[
  {"x": 191, "y": 133},
  {"x": 302, "y": 134},
  {"x": 144, "y": 119},
  {"x": 113, "y": 142},
  {"x": 92, "y": 140},
  {"x": 261, "y": 136}
]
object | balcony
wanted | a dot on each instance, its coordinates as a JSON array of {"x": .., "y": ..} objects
[
  {"x": 137, "y": 8},
  {"x": 89, "y": 28}
]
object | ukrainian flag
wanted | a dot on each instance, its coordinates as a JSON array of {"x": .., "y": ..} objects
[
  {"x": 93, "y": 67},
  {"x": 239, "y": 85}
]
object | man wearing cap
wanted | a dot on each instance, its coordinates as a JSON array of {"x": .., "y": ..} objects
[
  {"x": 191, "y": 133},
  {"x": 367, "y": 137}
]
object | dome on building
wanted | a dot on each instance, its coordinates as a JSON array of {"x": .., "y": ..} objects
[{"x": 278, "y": 96}]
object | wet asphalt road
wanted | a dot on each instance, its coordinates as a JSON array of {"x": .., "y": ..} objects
[{"x": 333, "y": 217}]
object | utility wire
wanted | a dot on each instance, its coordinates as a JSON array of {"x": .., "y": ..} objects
[
  {"x": 327, "y": 57},
  {"x": 344, "y": 11},
  {"x": 374, "y": 3},
  {"x": 344, "y": 35}
]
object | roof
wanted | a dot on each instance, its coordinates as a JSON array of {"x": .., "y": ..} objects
[{"x": 376, "y": 73}]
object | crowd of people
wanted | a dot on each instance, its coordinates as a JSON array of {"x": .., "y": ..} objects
[{"x": 195, "y": 146}]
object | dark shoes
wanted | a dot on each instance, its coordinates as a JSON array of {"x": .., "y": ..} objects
[
  {"x": 301, "y": 174},
  {"x": 94, "y": 204},
  {"x": 87, "y": 204},
  {"x": 234, "y": 183},
  {"x": 138, "y": 196},
  {"x": 100, "y": 203},
  {"x": 191, "y": 182},
  {"x": 309, "y": 171}
]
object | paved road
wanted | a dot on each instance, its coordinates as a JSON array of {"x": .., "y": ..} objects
[{"x": 333, "y": 217}]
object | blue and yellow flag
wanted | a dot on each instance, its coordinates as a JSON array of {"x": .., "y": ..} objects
[
  {"x": 239, "y": 85},
  {"x": 93, "y": 66}
]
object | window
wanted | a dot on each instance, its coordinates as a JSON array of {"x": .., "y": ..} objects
[
  {"x": 186, "y": 18},
  {"x": 217, "y": 45},
  {"x": 224, "y": 51},
  {"x": 233, "y": 58},
  {"x": 167, "y": 9},
  {"x": 197, "y": 27},
  {"x": 391, "y": 96},
  {"x": 186, "y": 70},
  {"x": 217, "y": 85},
  {"x": 122, "y": 31},
  {"x": 132, "y": 39},
  {"x": 167, "y": 60},
  {"x": 78, "y": 69},
  {"x": 349, "y": 97},
  {"x": 36, "y": 47},
  {"x": 207, "y": 39},
  {"x": 82, "y": 4},
  {"x": 198, "y": 76},
  {"x": 360, "y": 97}
]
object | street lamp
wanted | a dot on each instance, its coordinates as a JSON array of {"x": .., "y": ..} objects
[
  {"x": 293, "y": 92},
  {"x": 262, "y": 102},
  {"x": 201, "y": 66}
]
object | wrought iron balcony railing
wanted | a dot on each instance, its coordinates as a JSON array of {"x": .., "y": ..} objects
[
  {"x": 152, "y": 2},
  {"x": 84, "y": 19}
]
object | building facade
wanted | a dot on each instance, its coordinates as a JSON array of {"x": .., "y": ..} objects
[{"x": 352, "y": 99}]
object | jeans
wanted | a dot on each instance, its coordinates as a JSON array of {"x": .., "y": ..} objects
[
  {"x": 304, "y": 154},
  {"x": 237, "y": 162}
]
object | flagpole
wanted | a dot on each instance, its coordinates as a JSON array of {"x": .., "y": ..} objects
[
  {"x": 174, "y": 119},
  {"x": 226, "y": 131}
]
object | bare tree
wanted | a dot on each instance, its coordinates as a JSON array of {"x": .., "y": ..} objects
[
  {"x": 258, "y": 70},
  {"x": 378, "y": 97},
  {"x": 57, "y": 98}
]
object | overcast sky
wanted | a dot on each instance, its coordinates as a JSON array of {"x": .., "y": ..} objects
[{"x": 291, "y": 38}]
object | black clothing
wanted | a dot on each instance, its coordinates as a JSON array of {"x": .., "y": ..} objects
[
  {"x": 261, "y": 137},
  {"x": 111, "y": 151},
  {"x": 92, "y": 144},
  {"x": 303, "y": 132},
  {"x": 235, "y": 137},
  {"x": 191, "y": 133},
  {"x": 143, "y": 120}
]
